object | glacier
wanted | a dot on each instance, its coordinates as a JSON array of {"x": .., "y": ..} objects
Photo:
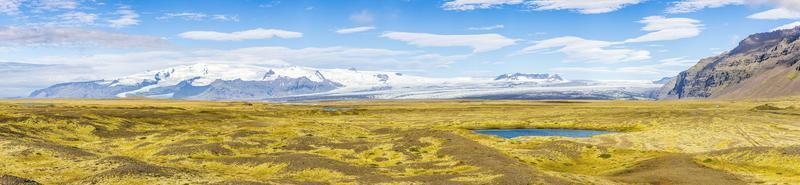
[{"x": 209, "y": 81}]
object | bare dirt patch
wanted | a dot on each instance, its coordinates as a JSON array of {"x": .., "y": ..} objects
[{"x": 675, "y": 169}]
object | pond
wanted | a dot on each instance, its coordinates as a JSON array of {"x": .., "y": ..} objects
[{"x": 512, "y": 133}]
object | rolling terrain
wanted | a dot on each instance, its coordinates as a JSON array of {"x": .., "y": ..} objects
[{"x": 144, "y": 141}]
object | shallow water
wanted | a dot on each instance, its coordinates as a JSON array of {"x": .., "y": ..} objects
[{"x": 511, "y": 133}]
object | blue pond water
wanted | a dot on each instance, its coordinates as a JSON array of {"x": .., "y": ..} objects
[{"x": 511, "y": 133}]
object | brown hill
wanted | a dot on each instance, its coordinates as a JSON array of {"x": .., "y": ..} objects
[{"x": 764, "y": 65}]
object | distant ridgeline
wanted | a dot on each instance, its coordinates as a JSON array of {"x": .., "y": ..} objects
[
  {"x": 247, "y": 82},
  {"x": 764, "y": 65}
]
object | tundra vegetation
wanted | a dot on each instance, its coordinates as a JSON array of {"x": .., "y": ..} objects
[{"x": 142, "y": 141}]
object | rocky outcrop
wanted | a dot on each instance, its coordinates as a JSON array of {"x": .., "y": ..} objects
[{"x": 764, "y": 65}]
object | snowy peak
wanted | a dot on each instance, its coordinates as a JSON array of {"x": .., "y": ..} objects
[
  {"x": 170, "y": 80},
  {"x": 249, "y": 82},
  {"x": 523, "y": 77}
]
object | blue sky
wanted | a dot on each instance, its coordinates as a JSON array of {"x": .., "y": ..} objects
[{"x": 69, "y": 40}]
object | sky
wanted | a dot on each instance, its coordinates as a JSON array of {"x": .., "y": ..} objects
[{"x": 44, "y": 42}]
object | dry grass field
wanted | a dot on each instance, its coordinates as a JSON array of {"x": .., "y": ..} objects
[{"x": 140, "y": 141}]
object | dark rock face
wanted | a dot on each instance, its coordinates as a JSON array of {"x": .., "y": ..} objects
[{"x": 760, "y": 67}]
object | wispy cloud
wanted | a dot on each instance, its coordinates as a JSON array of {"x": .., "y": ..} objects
[
  {"x": 107, "y": 66},
  {"x": 687, "y": 6},
  {"x": 197, "y": 16},
  {"x": 777, "y": 13},
  {"x": 478, "y": 43},
  {"x": 579, "y": 49},
  {"x": 584, "y": 7},
  {"x": 355, "y": 30},
  {"x": 78, "y": 17},
  {"x": 20, "y": 79},
  {"x": 486, "y": 28},
  {"x": 74, "y": 37},
  {"x": 254, "y": 34},
  {"x": 10, "y": 7},
  {"x": 662, "y": 28},
  {"x": 665, "y": 67},
  {"x": 787, "y": 26},
  {"x": 49, "y": 5},
  {"x": 127, "y": 17},
  {"x": 362, "y": 17},
  {"x": 783, "y": 9},
  {"x": 463, "y": 5},
  {"x": 220, "y": 17}
]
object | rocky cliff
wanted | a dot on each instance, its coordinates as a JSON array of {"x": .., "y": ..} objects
[{"x": 764, "y": 65}]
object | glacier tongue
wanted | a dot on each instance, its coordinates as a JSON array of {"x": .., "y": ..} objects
[{"x": 249, "y": 82}]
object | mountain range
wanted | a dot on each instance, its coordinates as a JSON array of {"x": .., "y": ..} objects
[
  {"x": 763, "y": 65},
  {"x": 208, "y": 81}
]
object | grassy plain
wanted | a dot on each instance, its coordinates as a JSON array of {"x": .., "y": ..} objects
[{"x": 397, "y": 142}]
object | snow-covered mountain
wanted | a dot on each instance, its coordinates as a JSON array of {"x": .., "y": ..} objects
[
  {"x": 521, "y": 77},
  {"x": 248, "y": 82}
]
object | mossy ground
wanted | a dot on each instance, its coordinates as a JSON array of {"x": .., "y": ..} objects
[{"x": 397, "y": 142}]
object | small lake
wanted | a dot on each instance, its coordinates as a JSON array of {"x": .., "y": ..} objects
[{"x": 512, "y": 133}]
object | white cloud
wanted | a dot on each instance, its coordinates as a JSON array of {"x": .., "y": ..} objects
[
  {"x": 677, "y": 62},
  {"x": 787, "y": 26},
  {"x": 499, "y": 26},
  {"x": 108, "y": 66},
  {"x": 579, "y": 49},
  {"x": 258, "y": 33},
  {"x": 78, "y": 17},
  {"x": 20, "y": 79},
  {"x": 784, "y": 9},
  {"x": 478, "y": 43},
  {"x": 463, "y": 5},
  {"x": 10, "y": 7},
  {"x": 220, "y": 17},
  {"x": 362, "y": 17},
  {"x": 184, "y": 15},
  {"x": 50, "y": 5},
  {"x": 585, "y": 7},
  {"x": 665, "y": 67},
  {"x": 74, "y": 37},
  {"x": 355, "y": 30},
  {"x": 13, "y": 7},
  {"x": 687, "y": 6},
  {"x": 581, "y": 6},
  {"x": 662, "y": 28},
  {"x": 196, "y": 16},
  {"x": 777, "y": 13},
  {"x": 127, "y": 17}
]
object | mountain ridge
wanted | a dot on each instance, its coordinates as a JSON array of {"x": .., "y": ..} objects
[
  {"x": 208, "y": 81},
  {"x": 764, "y": 65}
]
